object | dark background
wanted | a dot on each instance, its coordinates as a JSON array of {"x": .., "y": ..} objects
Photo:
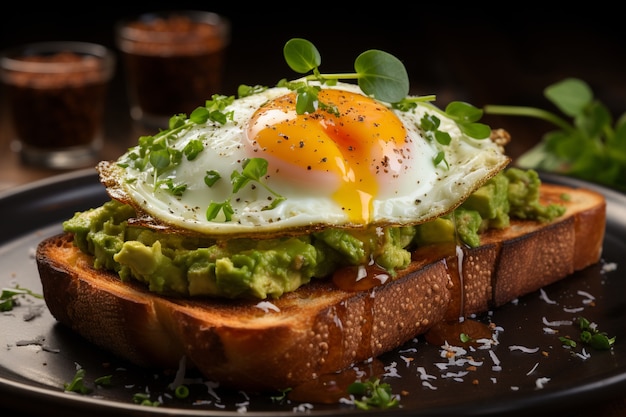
[{"x": 495, "y": 55}]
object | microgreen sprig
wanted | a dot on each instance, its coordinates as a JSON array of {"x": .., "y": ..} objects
[
  {"x": 384, "y": 77},
  {"x": 373, "y": 394},
  {"x": 8, "y": 297},
  {"x": 466, "y": 117},
  {"x": 77, "y": 384},
  {"x": 156, "y": 154},
  {"x": 254, "y": 169},
  {"x": 590, "y": 335},
  {"x": 378, "y": 73},
  {"x": 590, "y": 146}
]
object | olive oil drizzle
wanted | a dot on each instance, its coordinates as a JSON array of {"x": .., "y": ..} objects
[{"x": 450, "y": 330}]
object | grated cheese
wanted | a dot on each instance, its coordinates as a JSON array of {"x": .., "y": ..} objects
[
  {"x": 532, "y": 369},
  {"x": 429, "y": 385},
  {"x": 609, "y": 267},
  {"x": 557, "y": 323},
  {"x": 303, "y": 408},
  {"x": 584, "y": 355},
  {"x": 540, "y": 382},
  {"x": 523, "y": 349},
  {"x": 392, "y": 370},
  {"x": 266, "y": 306},
  {"x": 544, "y": 296}
]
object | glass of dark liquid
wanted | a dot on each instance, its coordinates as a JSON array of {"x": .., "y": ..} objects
[
  {"x": 56, "y": 93},
  {"x": 173, "y": 61}
]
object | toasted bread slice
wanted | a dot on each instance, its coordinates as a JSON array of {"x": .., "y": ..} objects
[{"x": 318, "y": 329}]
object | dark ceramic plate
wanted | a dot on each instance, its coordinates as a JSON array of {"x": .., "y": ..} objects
[{"x": 39, "y": 356}]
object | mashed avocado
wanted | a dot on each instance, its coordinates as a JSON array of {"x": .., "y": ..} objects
[{"x": 251, "y": 268}]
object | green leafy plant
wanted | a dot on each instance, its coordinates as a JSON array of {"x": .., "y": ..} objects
[
  {"x": 373, "y": 394},
  {"x": 589, "y": 146}
]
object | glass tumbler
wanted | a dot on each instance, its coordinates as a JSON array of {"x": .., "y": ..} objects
[
  {"x": 56, "y": 93},
  {"x": 173, "y": 62}
]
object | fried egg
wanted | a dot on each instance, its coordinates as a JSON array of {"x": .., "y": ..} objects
[{"x": 359, "y": 165}]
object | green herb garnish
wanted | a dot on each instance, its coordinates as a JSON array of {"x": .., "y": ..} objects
[
  {"x": 78, "y": 383},
  {"x": 593, "y": 337},
  {"x": 466, "y": 117},
  {"x": 282, "y": 396},
  {"x": 373, "y": 394},
  {"x": 384, "y": 77},
  {"x": 8, "y": 297},
  {"x": 590, "y": 146},
  {"x": 181, "y": 392},
  {"x": 254, "y": 169},
  {"x": 589, "y": 335},
  {"x": 155, "y": 154},
  {"x": 144, "y": 399},
  {"x": 465, "y": 338},
  {"x": 103, "y": 381},
  {"x": 378, "y": 73}
]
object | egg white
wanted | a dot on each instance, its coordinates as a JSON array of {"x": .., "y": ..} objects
[{"x": 422, "y": 192}]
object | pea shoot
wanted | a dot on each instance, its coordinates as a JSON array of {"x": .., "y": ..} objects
[
  {"x": 8, "y": 297},
  {"x": 373, "y": 394},
  {"x": 591, "y": 146}
]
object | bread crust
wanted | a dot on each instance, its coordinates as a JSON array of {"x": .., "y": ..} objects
[{"x": 318, "y": 329}]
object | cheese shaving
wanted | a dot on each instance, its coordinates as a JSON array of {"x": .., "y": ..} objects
[{"x": 523, "y": 349}]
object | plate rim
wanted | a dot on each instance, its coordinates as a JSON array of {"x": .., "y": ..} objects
[{"x": 613, "y": 383}]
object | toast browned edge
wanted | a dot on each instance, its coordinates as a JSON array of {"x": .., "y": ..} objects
[{"x": 319, "y": 329}]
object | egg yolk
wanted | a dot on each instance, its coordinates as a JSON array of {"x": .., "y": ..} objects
[{"x": 354, "y": 138}]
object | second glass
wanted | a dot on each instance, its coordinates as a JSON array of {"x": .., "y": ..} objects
[
  {"x": 56, "y": 95},
  {"x": 174, "y": 62}
]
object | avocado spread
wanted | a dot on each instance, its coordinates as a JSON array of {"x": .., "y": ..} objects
[{"x": 260, "y": 268}]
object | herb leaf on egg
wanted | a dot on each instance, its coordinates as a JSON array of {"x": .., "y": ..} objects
[
  {"x": 254, "y": 169},
  {"x": 466, "y": 117},
  {"x": 156, "y": 154},
  {"x": 379, "y": 74},
  {"x": 301, "y": 55}
]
